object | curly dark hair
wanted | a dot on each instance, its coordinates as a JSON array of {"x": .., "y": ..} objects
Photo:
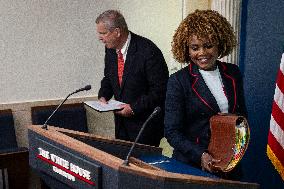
[{"x": 204, "y": 24}]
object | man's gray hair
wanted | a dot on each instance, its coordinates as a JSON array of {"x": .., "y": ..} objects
[{"x": 112, "y": 19}]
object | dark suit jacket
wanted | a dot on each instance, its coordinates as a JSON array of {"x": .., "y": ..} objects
[
  {"x": 189, "y": 106},
  {"x": 144, "y": 84}
]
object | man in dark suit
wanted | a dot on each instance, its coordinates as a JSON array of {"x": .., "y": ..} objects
[{"x": 135, "y": 73}]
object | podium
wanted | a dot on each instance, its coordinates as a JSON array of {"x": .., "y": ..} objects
[{"x": 72, "y": 159}]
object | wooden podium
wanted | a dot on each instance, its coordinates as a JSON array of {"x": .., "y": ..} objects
[{"x": 71, "y": 159}]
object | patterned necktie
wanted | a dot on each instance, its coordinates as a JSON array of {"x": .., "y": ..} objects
[{"x": 120, "y": 66}]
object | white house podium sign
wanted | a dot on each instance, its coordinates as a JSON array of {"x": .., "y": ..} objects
[{"x": 68, "y": 159}]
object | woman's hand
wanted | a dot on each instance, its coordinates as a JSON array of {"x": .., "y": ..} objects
[{"x": 207, "y": 163}]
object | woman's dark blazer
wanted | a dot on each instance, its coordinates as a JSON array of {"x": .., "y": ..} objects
[
  {"x": 189, "y": 106},
  {"x": 144, "y": 85}
]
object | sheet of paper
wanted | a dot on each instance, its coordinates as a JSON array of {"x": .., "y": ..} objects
[{"x": 110, "y": 106}]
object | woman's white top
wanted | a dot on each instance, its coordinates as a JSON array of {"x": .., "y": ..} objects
[{"x": 214, "y": 82}]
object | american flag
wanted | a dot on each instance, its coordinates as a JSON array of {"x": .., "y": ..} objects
[{"x": 275, "y": 146}]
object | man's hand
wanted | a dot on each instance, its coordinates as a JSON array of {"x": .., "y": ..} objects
[
  {"x": 103, "y": 100},
  {"x": 126, "y": 111}
]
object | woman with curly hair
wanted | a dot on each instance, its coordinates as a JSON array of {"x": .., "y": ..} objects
[{"x": 204, "y": 88}]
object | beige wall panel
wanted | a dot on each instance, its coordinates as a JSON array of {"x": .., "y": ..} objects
[
  {"x": 154, "y": 19},
  {"x": 48, "y": 48},
  {"x": 191, "y": 5}
]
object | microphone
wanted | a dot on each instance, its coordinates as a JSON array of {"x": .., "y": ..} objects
[
  {"x": 86, "y": 88},
  {"x": 155, "y": 112}
]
